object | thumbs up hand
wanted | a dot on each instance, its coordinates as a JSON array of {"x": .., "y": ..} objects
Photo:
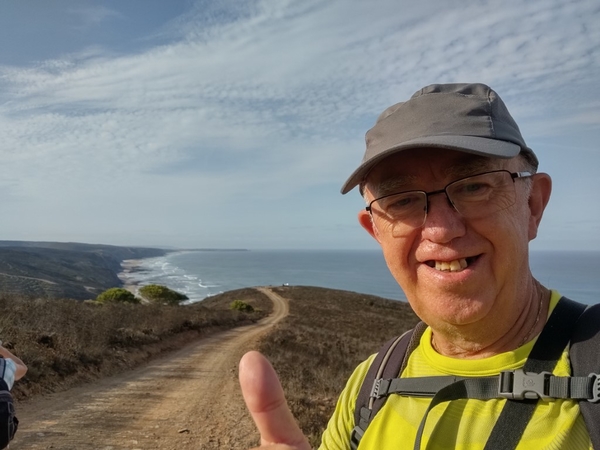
[{"x": 266, "y": 402}]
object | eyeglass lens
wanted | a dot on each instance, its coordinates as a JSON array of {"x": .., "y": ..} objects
[{"x": 473, "y": 197}]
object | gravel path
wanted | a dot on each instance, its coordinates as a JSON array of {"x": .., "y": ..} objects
[{"x": 189, "y": 399}]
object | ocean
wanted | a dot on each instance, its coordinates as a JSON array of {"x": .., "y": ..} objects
[{"x": 200, "y": 274}]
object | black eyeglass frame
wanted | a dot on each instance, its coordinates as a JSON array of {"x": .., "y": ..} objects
[{"x": 513, "y": 175}]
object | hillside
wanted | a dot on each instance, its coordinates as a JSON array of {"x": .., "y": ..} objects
[
  {"x": 314, "y": 349},
  {"x": 191, "y": 388},
  {"x": 63, "y": 270},
  {"x": 327, "y": 333}
]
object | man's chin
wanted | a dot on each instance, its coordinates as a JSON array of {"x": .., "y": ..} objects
[{"x": 453, "y": 307}]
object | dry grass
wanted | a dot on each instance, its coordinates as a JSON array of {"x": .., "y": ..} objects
[
  {"x": 65, "y": 342},
  {"x": 314, "y": 350},
  {"x": 327, "y": 334}
]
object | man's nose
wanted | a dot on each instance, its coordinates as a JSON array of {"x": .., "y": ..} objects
[{"x": 442, "y": 222}]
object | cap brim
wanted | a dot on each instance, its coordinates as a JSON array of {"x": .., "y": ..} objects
[{"x": 468, "y": 144}]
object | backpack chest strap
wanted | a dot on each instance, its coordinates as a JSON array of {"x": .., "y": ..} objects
[{"x": 513, "y": 385}]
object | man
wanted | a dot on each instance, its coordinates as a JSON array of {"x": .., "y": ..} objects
[{"x": 454, "y": 199}]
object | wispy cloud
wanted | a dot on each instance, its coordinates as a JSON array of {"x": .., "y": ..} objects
[
  {"x": 94, "y": 15},
  {"x": 273, "y": 97}
]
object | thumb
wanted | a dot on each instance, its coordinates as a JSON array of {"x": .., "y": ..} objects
[{"x": 266, "y": 402}]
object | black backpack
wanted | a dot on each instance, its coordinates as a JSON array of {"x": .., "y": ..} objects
[
  {"x": 8, "y": 420},
  {"x": 570, "y": 322}
]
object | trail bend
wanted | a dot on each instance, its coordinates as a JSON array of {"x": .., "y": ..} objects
[{"x": 189, "y": 399}]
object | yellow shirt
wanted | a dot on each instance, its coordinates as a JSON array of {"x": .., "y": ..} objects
[{"x": 460, "y": 424}]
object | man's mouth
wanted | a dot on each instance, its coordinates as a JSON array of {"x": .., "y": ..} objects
[{"x": 457, "y": 265}]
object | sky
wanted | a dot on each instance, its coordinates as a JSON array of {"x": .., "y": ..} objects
[{"x": 234, "y": 124}]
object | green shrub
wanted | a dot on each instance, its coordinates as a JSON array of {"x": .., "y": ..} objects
[
  {"x": 161, "y": 294},
  {"x": 117, "y": 295},
  {"x": 241, "y": 306}
]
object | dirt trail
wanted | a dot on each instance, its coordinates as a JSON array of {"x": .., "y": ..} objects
[{"x": 189, "y": 399}]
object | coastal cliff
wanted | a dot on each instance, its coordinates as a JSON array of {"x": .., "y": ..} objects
[{"x": 64, "y": 270}]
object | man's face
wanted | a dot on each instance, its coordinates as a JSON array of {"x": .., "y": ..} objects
[{"x": 491, "y": 288}]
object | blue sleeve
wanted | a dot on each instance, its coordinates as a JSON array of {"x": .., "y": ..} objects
[{"x": 7, "y": 370}]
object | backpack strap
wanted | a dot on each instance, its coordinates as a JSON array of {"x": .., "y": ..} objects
[
  {"x": 3, "y": 383},
  {"x": 509, "y": 384},
  {"x": 585, "y": 359},
  {"x": 389, "y": 362},
  {"x": 546, "y": 352}
]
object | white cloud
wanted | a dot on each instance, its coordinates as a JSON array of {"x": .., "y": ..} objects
[
  {"x": 274, "y": 98},
  {"x": 93, "y": 15}
]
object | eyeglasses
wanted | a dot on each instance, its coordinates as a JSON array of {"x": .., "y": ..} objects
[{"x": 473, "y": 197}]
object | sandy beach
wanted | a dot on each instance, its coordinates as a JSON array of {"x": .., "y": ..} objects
[{"x": 129, "y": 266}]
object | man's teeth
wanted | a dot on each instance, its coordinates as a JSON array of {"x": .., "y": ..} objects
[{"x": 451, "y": 266}]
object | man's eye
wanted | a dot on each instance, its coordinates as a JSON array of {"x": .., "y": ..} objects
[
  {"x": 401, "y": 202},
  {"x": 474, "y": 187}
]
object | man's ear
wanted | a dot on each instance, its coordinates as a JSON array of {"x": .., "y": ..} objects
[
  {"x": 538, "y": 199},
  {"x": 366, "y": 221}
]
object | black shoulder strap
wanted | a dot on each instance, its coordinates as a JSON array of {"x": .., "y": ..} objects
[
  {"x": 2, "y": 368},
  {"x": 3, "y": 384},
  {"x": 388, "y": 363},
  {"x": 546, "y": 352},
  {"x": 585, "y": 359}
]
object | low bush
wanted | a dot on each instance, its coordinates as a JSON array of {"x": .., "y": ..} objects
[
  {"x": 161, "y": 294},
  {"x": 117, "y": 295},
  {"x": 240, "y": 305}
]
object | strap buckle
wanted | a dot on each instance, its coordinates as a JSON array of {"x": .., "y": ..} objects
[
  {"x": 519, "y": 385},
  {"x": 380, "y": 388},
  {"x": 595, "y": 387},
  {"x": 355, "y": 437}
]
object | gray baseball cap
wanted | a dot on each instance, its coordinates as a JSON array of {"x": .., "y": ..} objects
[{"x": 470, "y": 118}]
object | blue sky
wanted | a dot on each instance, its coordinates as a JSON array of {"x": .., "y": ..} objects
[{"x": 235, "y": 123}]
